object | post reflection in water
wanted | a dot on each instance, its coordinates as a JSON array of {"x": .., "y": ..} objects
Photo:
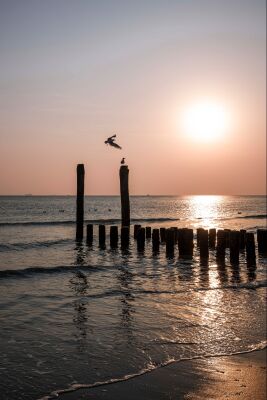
[
  {"x": 127, "y": 299},
  {"x": 79, "y": 285},
  {"x": 222, "y": 273},
  {"x": 125, "y": 278},
  {"x": 185, "y": 270},
  {"x": 80, "y": 254},
  {"x": 251, "y": 273},
  {"x": 236, "y": 278},
  {"x": 204, "y": 273}
]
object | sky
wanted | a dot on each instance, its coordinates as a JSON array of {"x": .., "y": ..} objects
[{"x": 73, "y": 72}]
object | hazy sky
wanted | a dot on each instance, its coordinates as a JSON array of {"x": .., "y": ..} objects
[{"x": 73, "y": 72}]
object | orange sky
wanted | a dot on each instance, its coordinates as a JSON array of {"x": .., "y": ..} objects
[{"x": 74, "y": 73}]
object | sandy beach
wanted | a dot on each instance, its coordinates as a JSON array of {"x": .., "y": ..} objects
[{"x": 232, "y": 377}]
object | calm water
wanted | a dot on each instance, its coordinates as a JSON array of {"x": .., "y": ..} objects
[{"x": 75, "y": 315}]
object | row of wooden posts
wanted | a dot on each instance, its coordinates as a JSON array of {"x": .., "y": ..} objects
[{"x": 219, "y": 240}]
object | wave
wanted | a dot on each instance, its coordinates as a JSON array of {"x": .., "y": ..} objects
[
  {"x": 110, "y": 221},
  {"x": 146, "y": 370},
  {"x": 255, "y": 216},
  {"x": 88, "y": 221},
  {"x": 81, "y": 271},
  {"x": 24, "y": 246},
  {"x": 28, "y": 272}
]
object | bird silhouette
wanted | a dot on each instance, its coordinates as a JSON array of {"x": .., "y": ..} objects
[
  {"x": 111, "y": 141},
  {"x": 123, "y": 161}
]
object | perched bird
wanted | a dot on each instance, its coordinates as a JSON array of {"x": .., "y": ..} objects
[
  {"x": 111, "y": 141},
  {"x": 123, "y": 161}
]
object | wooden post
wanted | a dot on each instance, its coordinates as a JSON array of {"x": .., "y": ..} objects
[
  {"x": 199, "y": 230},
  {"x": 181, "y": 244},
  {"x": 170, "y": 239},
  {"x": 89, "y": 233},
  {"x": 155, "y": 240},
  {"x": 80, "y": 202},
  {"x": 189, "y": 242},
  {"x": 221, "y": 245},
  {"x": 227, "y": 237},
  {"x": 141, "y": 239},
  {"x": 148, "y": 232},
  {"x": 262, "y": 241},
  {"x": 204, "y": 244},
  {"x": 212, "y": 238},
  {"x": 136, "y": 228},
  {"x": 102, "y": 235},
  {"x": 162, "y": 232},
  {"x": 242, "y": 239},
  {"x": 185, "y": 242},
  {"x": 250, "y": 249},
  {"x": 234, "y": 247},
  {"x": 125, "y": 201},
  {"x": 125, "y": 237},
  {"x": 114, "y": 237}
]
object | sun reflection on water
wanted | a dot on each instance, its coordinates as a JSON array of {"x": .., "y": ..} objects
[{"x": 206, "y": 209}]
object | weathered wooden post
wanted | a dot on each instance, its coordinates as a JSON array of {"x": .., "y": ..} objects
[
  {"x": 102, "y": 235},
  {"x": 189, "y": 242},
  {"x": 148, "y": 232},
  {"x": 162, "y": 232},
  {"x": 250, "y": 249},
  {"x": 114, "y": 237},
  {"x": 234, "y": 247},
  {"x": 204, "y": 244},
  {"x": 262, "y": 241},
  {"x": 185, "y": 242},
  {"x": 80, "y": 202},
  {"x": 181, "y": 244},
  {"x": 212, "y": 238},
  {"x": 125, "y": 237},
  {"x": 136, "y": 228},
  {"x": 155, "y": 240},
  {"x": 242, "y": 242},
  {"x": 125, "y": 201},
  {"x": 227, "y": 237},
  {"x": 141, "y": 239},
  {"x": 170, "y": 239},
  {"x": 89, "y": 233},
  {"x": 199, "y": 230},
  {"x": 221, "y": 246}
]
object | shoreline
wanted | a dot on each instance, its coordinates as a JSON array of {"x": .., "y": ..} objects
[{"x": 241, "y": 376}]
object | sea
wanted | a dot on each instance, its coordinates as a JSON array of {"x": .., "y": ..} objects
[{"x": 74, "y": 316}]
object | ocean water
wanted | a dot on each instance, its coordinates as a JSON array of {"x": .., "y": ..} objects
[{"x": 76, "y": 316}]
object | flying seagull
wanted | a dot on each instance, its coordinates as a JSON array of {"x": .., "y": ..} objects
[
  {"x": 123, "y": 161},
  {"x": 111, "y": 142}
]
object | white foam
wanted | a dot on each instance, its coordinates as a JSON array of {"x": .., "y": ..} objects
[{"x": 149, "y": 368}]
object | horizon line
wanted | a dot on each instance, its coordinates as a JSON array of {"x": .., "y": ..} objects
[{"x": 131, "y": 195}]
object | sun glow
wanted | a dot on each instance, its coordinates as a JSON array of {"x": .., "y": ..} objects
[{"x": 205, "y": 121}]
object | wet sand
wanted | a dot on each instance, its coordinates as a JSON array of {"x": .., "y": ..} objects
[{"x": 232, "y": 377}]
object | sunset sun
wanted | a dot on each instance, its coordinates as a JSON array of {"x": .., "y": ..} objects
[{"x": 205, "y": 121}]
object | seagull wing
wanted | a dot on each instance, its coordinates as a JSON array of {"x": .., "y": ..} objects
[
  {"x": 111, "y": 137},
  {"x": 115, "y": 145}
]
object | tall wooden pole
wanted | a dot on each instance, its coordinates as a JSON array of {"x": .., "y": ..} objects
[
  {"x": 125, "y": 202},
  {"x": 80, "y": 202}
]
